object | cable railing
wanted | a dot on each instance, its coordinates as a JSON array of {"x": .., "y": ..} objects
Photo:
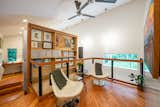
[{"x": 41, "y": 64}]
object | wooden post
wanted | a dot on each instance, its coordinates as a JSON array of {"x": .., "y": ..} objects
[{"x": 40, "y": 80}]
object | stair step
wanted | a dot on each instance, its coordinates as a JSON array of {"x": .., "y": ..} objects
[
  {"x": 10, "y": 89},
  {"x": 11, "y": 96},
  {"x": 11, "y": 82},
  {"x": 10, "y": 85}
]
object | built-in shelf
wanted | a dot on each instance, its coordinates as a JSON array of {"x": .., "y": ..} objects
[{"x": 49, "y": 45}]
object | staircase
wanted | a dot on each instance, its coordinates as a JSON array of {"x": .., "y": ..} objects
[{"x": 11, "y": 84}]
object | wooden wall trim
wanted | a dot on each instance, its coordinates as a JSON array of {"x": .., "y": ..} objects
[{"x": 156, "y": 59}]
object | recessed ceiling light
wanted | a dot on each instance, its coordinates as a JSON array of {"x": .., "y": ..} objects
[
  {"x": 24, "y": 20},
  {"x": 20, "y": 32}
]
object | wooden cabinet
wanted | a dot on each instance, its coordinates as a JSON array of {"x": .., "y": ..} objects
[{"x": 10, "y": 68}]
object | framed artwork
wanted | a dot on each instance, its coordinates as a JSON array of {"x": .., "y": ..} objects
[
  {"x": 0, "y": 43},
  {"x": 47, "y": 37},
  {"x": 36, "y": 35},
  {"x": 36, "y": 44},
  {"x": 12, "y": 54},
  {"x": 149, "y": 36},
  {"x": 67, "y": 42},
  {"x": 47, "y": 45}
]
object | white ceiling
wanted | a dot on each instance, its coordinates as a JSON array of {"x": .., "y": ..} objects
[{"x": 50, "y": 13}]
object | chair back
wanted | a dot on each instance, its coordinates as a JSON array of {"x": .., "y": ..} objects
[{"x": 93, "y": 70}]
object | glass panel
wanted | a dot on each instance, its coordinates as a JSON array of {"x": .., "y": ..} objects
[{"x": 125, "y": 65}]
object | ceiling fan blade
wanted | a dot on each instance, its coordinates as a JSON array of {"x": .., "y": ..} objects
[
  {"x": 83, "y": 6},
  {"x": 88, "y": 15},
  {"x": 106, "y": 1},
  {"x": 72, "y": 17}
]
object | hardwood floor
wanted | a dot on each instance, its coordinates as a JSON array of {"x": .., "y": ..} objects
[{"x": 111, "y": 95}]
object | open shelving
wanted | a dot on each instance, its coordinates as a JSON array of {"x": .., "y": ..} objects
[{"x": 45, "y": 45}]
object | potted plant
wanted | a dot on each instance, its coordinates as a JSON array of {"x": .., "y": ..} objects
[
  {"x": 138, "y": 79},
  {"x": 79, "y": 64}
]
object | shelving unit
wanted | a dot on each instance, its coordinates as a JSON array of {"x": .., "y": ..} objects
[{"x": 46, "y": 45}]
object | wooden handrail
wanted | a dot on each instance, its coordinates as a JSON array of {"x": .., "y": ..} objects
[
  {"x": 81, "y": 59},
  {"x": 40, "y": 64},
  {"x": 123, "y": 60}
]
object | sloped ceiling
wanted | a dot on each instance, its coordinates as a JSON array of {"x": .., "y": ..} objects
[{"x": 50, "y": 13}]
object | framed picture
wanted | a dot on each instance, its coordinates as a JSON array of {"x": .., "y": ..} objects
[
  {"x": 67, "y": 42},
  {"x": 0, "y": 43},
  {"x": 36, "y": 44},
  {"x": 47, "y": 37},
  {"x": 36, "y": 35},
  {"x": 47, "y": 45}
]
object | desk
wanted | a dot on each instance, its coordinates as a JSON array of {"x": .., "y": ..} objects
[{"x": 12, "y": 67}]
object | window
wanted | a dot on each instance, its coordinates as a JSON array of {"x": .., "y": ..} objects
[
  {"x": 12, "y": 54},
  {"x": 125, "y": 65}
]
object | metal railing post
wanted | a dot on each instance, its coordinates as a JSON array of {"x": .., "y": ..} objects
[
  {"x": 40, "y": 80},
  {"x": 141, "y": 71},
  {"x": 112, "y": 69},
  {"x": 92, "y": 61},
  {"x": 31, "y": 73},
  {"x": 67, "y": 69}
]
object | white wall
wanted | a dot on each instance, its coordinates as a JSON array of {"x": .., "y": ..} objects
[
  {"x": 119, "y": 30},
  {"x": 1, "y": 36},
  {"x": 13, "y": 42}
]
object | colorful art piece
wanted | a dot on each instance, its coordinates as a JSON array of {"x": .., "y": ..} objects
[
  {"x": 12, "y": 54},
  {"x": 149, "y": 36}
]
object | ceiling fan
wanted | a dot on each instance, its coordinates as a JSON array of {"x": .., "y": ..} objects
[{"x": 80, "y": 8}]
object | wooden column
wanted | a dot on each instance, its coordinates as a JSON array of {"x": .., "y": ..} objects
[{"x": 156, "y": 59}]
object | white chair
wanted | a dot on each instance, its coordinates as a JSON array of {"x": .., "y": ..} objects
[
  {"x": 1, "y": 71},
  {"x": 99, "y": 78},
  {"x": 71, "y": 90}
]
